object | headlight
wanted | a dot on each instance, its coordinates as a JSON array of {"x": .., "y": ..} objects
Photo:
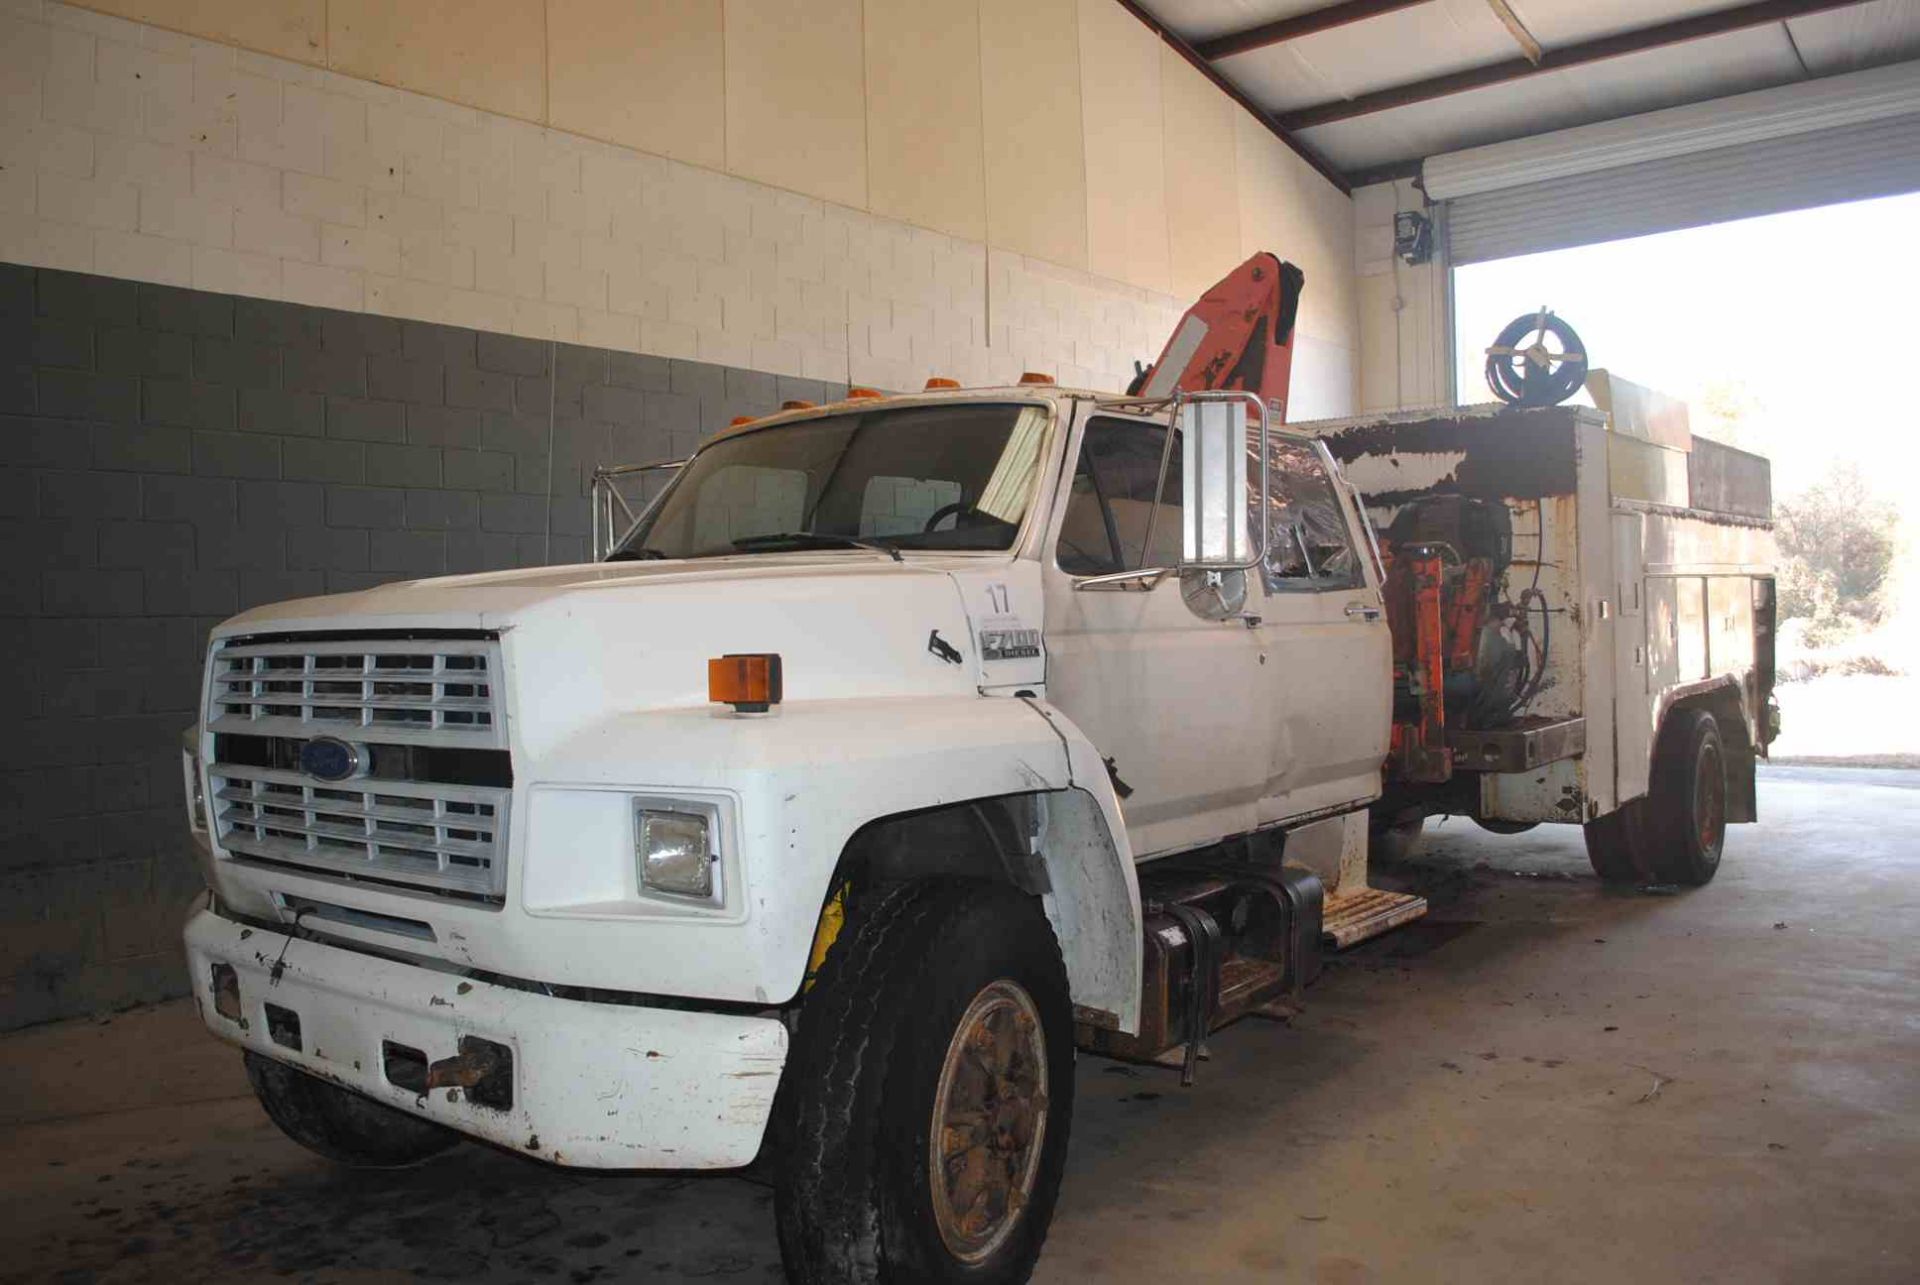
[{"x": 674, "y": 851}]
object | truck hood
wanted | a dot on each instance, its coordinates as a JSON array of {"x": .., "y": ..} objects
[
  {"x": 584, "y": 643},
  {"x": 494, "y": 599}
]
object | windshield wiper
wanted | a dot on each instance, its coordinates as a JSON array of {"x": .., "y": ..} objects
[
  {"x": 639, "y": 553},
  {"x": 801, "y": 539}
]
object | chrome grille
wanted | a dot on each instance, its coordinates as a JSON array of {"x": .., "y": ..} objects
[
  {"x": 448, "y": 838},
  {"x": 412, "y": 691}
]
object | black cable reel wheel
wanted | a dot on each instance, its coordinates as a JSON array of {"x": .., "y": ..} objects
[{"x": 1538, "y": 360}]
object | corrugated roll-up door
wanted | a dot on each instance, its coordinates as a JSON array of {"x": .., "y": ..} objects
[{"x": 1848, "y": 163}]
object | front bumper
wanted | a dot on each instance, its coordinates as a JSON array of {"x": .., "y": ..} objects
[{"x": 601, "y": 1086}]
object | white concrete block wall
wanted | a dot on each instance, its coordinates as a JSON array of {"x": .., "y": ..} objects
[{"x": 143, "y": 154}]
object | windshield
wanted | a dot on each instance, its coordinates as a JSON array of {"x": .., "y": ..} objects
[{"x": 957, "y": 476}]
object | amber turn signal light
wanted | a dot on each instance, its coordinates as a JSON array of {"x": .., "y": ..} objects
[{"x": 750, "y": 683}]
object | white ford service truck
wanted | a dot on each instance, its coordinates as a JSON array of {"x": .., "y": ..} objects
[{"x": 896, "y": 749}]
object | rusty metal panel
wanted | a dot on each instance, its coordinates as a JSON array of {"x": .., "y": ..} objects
[
  {"x": 1594, "y": 595},
  {"x": 1706, "y": 543},
  {"x": 1721, "y": 479},
  {"x": 1555, "y": 792},
  {"x": 1729, "y": 624},
  {"x": 1646, "y": 471},
  {"x": 1663, "y": 633},
  {"x": 1488, "y": 453},
  {"x": 1554, "y": 522},
  {"x": 1636, "y": 411},
  {"x": 1690, "y": 625},
  {"x": 1527, "y": 744},
  {"x": 1632, "y": 709}
]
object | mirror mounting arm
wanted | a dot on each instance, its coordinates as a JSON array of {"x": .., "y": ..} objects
[{"x": 1138, "y": 580}]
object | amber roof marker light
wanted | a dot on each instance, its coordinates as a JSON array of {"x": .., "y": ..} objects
[{"x": 750, "y": 682}]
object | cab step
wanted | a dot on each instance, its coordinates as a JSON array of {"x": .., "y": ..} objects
[
  {"x": 1354, "y": 917},
  {"x": 1222, "y": 941}
]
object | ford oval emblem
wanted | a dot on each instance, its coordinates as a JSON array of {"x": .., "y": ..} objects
[{"x": 329, "y": 758}]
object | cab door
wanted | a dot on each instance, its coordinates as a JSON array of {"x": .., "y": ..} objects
[
  {"x": 1173, "y": 699},
  {"x": 1327, "y": 685}
]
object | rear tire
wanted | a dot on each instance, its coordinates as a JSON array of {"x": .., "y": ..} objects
[
  {"x": 1675, "y": 834},
  {"x": 1615, "y": 846},
  {"x": 1688, "y": 801},
  {"x": 342, "y": 1126},
  {"x": 948, "y": 993},
  {"x": 1396, "y": 842}
]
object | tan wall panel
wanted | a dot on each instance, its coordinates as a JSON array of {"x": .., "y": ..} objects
[
  {"x": 796, "y": 101},
  {"x": 295, "y": 29},
  {"x": 651, "y": 75},
  {"x": 1036, "y": 152},
  {"x": 923, "y": 114},
  {"x": 486, "y": 53},
  {"x": 1287, "y": 208},
  {"x": 1126, "y": 133},
  {"x": 1203, "y": 191}
]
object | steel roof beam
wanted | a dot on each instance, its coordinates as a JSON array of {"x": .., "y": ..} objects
[
  {"x": 1300, "y": 24},
  {"x": 1179, "y": 45},
  {"x": 1590, "y": 51}
]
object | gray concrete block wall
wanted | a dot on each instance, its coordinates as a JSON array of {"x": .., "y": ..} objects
[{"x": 169, "y": 457}]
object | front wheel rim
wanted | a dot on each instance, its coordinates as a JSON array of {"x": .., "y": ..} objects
[{"x": 989, "y": 1121}]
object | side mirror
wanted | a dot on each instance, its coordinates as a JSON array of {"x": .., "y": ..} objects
[{"x": 1213, "y": 456}]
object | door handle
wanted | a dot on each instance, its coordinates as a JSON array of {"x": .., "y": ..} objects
[{"x": 1362, "y": 611}]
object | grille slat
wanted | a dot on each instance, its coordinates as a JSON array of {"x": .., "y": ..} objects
[
  {"x": 377, "y": 702},
  {"x": 411, "y": 833},
  {"x": 439, "y": 691}
]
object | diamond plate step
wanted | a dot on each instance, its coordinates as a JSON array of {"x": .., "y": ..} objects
[{"x": 1354, "y": 917}]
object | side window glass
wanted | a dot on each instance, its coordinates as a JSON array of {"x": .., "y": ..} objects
[
  {"x": 1104, "y": 528},
  {"x": 1308, "y": 546}
]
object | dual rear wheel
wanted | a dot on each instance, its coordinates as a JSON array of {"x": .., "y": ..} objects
[{"x": 1675, "y": 833}]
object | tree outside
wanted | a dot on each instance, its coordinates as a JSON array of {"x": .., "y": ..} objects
[{"x": 1837, "y": 544}]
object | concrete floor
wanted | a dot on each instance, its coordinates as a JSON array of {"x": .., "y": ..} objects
[{"x": 1540, "y": 1081}]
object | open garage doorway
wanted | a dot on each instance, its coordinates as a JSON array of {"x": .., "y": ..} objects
[{"x": 1791, "y": 336}]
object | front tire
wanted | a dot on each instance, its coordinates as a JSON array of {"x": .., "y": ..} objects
[
  {"x": 928, "y": 1092},
  {"x": 342, "y": 1126}
]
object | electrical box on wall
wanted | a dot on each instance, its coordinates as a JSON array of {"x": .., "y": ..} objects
[{"x": 1413, "y": 237}]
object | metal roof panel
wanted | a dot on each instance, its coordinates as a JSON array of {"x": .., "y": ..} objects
[{"x": 1433, "y": 39}]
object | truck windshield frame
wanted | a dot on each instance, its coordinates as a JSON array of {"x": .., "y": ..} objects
[{"x": 935, "y": 477}]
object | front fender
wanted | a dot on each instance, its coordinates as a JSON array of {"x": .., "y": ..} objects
[{"x": 803, "y": 779}]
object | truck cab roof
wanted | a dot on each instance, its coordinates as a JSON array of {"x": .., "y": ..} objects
[{"x": 933, "y": 396}]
